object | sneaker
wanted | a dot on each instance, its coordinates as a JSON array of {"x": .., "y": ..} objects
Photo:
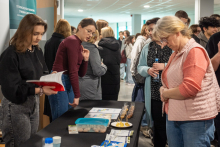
[
  {"x": 130, "y": 84},
  {"x": 146, "y": 134},
  {"x": 143, "y": 128},
  {"x": 150, "y": 132}
]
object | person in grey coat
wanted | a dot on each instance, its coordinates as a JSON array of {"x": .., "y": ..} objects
[{"x": 90, "y": 84}]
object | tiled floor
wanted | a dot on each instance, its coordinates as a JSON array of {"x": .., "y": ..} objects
[{"x": 125, "y": 95}]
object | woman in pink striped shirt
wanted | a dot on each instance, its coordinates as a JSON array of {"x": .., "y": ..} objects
[{"x": 190, "y": 90}]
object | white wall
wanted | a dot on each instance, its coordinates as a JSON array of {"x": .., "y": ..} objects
[
  {"x": 4, "y": 26},
  {"x": 114, "y": 28},
  {"x": 74, "y": 21}
]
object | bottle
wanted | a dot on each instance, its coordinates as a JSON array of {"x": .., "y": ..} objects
[
  {"x": 48, "y": 142},
  {"x": 157, "y": 78},
  {"x": 56, "y": 141}
]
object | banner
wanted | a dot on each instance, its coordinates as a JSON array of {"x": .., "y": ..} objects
[{"x": 17, "y": 10}]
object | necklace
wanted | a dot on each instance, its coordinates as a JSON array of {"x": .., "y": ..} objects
[{"x": 31, "y": 51}]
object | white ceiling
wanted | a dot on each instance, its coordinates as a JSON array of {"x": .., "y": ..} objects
[{"x": 120, "y": 10}]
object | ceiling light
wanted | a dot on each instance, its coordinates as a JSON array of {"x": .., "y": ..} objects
[
  {"x": 147, "y": 6},
  {"x": 80, "y": 10}
]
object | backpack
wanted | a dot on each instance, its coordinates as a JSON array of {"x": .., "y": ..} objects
[{"x": 137, "y": 77}]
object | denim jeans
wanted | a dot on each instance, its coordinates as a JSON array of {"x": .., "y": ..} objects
[
  {"x": 122, "y": 70},
  {"x": 129, "y": 78},
  {"x": 59, "y": 103},
  {"x": 190, "y": 133},
  {"x": 20, "y": 121}
]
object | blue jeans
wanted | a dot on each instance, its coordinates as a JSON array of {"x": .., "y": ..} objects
[
  {"x": 190, "y": 133},
  {"x": 144, "y": 121},
  {"x": 122, "y": 70},
  {"x": 129, "y": 78},
  {"x": 59, "y": 103}
]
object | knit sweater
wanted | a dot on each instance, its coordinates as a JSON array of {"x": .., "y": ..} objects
[{"x": 205, "y": 103}]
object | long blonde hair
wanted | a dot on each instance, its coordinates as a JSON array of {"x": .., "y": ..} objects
[
  {"x": 107, "y": 32},
  {"x": 63, "y": 27},
  {"x": 169, "y": 25},
  {"x": 143, "y": 32}
]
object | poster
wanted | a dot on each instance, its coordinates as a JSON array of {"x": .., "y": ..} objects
[{"x": 17, "y": 10}]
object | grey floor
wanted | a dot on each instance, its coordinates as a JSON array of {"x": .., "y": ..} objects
[{"x": 125, "y": 95}]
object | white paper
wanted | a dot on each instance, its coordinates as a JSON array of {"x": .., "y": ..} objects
[
  {"x": 104, "y": 110},
  {"x": 56, "y": 77},
  {"x": 93, "y": 115},
  {"x": 121, "y": 132},
  {"x": 117, "y": 138}
]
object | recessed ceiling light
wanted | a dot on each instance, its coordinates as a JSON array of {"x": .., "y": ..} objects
[
  {"x": 147, "y": 6},
  {"x": 80, "y": 10}
]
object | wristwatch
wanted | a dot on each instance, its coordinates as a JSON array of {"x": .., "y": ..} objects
[{"x": 41, "y": 91}]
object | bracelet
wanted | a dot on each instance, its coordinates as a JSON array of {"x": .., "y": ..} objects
[{"x": 41, "y": 91}]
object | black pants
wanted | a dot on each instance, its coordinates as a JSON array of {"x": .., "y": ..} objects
[
  {"x": 160, "y": 137},
  {"x": 217, "y": 128}
]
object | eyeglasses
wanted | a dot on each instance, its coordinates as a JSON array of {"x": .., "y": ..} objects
[{"x": 90, "y": 32}]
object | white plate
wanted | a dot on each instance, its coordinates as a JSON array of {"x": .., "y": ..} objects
[{"x": 114, "y": 124}]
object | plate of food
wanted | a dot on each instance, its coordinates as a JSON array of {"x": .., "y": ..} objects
[{"x": 121, "y": 124}]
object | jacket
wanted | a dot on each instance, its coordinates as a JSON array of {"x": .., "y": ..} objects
[
  {"x": 142, "y": 70},
  {"x": 138, "y": 46},
  {"x": 120, "y": 42},
  {"x": 205, "y": 104},
  {"x": 50, "y": 49},
  {"x": 110, "y": 53},
  {"x": 90, "y": 84},
  {"x": 203, "y": 39},
  {"x": 128, "y": 50},
  {"x": 195, "y": 38},
  {"x": 212, "y": 49}
]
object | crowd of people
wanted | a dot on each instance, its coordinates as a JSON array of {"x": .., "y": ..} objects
[{"x": 173, "y": 67}]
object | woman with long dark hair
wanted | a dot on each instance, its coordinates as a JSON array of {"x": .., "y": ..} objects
[{"x": 23, "y": 60}]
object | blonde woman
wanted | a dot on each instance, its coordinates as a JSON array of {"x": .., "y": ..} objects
[
  {"x": 110, "y": 54},
  {"x": 61, "y": 31},
  {"x": 190, "y": 89},
  {"x": 90, "y": 84}
]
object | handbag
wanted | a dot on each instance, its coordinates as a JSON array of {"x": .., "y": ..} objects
[{"x": 123, "y": 56}]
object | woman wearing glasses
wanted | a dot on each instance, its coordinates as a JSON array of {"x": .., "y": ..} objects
[
  {"x": 190, "y": 89},
  {"x": 90, "y": 84},
  {"x": 72, "y": 58}
]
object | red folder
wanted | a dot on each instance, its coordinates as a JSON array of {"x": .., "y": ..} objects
[{"x": 58, "y": 86}]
